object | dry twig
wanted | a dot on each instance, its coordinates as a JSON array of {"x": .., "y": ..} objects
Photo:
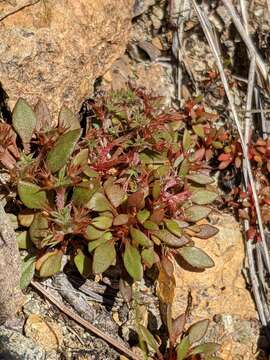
[
  {"x": 247, "y": 40},
  {"x": 249, "y": 180},
  {"x": 119, "y": 347}
]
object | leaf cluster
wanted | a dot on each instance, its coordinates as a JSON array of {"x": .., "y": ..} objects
[
  {"x": 128, "y": 188},
  {"x": 183, "y": 344}
]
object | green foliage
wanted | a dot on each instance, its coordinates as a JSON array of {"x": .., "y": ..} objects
[
  {"x": 182, "y": 343},
  {"x": 24, "y": 121},
  {"x": 27, "y": 270},
  {"x": 131, "y": 188},
  {"x": 63, "y": 148}
]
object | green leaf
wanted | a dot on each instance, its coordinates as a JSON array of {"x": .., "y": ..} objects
[
  {"x": 182, "y": 348},
  {"x": 139, "y": 237},
  {"x": 207, "y": 348},
  {"x": 151, "y": 157},
  {"x": 169, "y": 239},
  {"x": 99, "y": 202},
  {"x": 51, "y": 264},
  {"x": 156, "y": 190},
  {"x": 24, "y": 120},
  {"x": 196, "y": 212},
  {"x": 132, "y": 262},
  {"x": 173, "y": 227},
  {"x": 162, "y": 171},
  {"x": 84, "y": 191},
  {"x": 104, "y": 257},
  {"x": 200, "y": 179},
  {"x": 81, "y": 158},
  {"x": 59, "y": 155},
  {"x": 197, "y": 331},
  {"x": 143, "y": 215},
  {"x": 184, "y": 168},
  {"x": 102, "y": 222},
  {"x": 90, "y": 172},
  {"x": 27, "y": 270},
  {"x": 31, "y": 195},
  {"x": 149, "y": 257},
  {"x": 39, "y": 229},
  {"x": 67, "y": 119},
  {"x": 92, "y": 233},
  {"x": 196, "y": 257},
  {"x": 81, "y": 196},
  {"x": 148, "y": 338},
  {"x": 121, "y": 219},
  {"x": 203, "y": 197},
  {"x": 83, "y": 263},
  {"x": 23, "y": 240},
  {"x": 115, "y": 193},
  {"x": 150, "y": 225},
  {"x": 199, "y": 130},
  {"x": 92, "y": 245},
  {"x": 217, "y": 144},
  {"x": 186, "y": 140}
]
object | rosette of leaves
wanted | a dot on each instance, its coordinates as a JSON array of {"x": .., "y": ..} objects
[
  {"x": 182, "y": 344},
  {"x": 127, "y": 188}
]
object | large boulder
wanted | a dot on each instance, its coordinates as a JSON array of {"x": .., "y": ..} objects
[{"x": 56, "y": 49}]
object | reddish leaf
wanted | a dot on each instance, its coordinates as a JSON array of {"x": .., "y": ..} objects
[
  {"x": 224, "y": 164},
  {"x": 177, "y": 327},
  {"x": 136, "y": 200},
  {"x": 251, "y": 233},
  {"x": 225, "y": 157},
  {"x": 204, "y": 231}
]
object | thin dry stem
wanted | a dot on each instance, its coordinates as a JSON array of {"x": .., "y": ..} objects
[
  {"x": 247, "y": 40},
  {"x": 244, "y": 14},
  {"x": 121, "y": 348},
  {"x": 209, "y": 35},
  {"x": 248, "y": 117},
  {"x": 249, "y": 180}
]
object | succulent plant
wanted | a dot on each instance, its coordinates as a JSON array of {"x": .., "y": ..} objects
[
  {"x": 131, "y": 186},
  {"x": 182, "y": 344}
]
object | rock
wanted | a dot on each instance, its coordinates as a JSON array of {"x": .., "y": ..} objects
[
  {"x": 46, "y": 334},
  {"x": 11, "y": 297},
  {"x": 56, "y": 49},
  {"x": 15, "y": 346},
  {"x": 220, "y": 292},
  {"x": 155, "y": 78}
]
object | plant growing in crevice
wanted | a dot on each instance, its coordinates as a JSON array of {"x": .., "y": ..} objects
[
  {"x": 181, "y": 344},
  {"x": 132, "y": 186}
]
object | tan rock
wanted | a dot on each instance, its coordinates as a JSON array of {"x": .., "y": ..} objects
[
  {"x": 47, "y": 334},
  {"x": 56, "y": 49},
  {"x": 154, "y": 77},
  {"x": 220, "y": 292}
]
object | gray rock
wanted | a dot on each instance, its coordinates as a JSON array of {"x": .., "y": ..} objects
[{"x": 15, "y": 346}]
